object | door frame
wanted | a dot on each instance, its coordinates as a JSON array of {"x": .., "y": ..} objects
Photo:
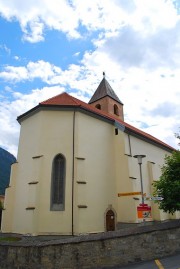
[{"x": 115, "y": 217}]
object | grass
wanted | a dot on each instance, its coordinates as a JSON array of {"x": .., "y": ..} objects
[{"x": 10, "y": 239}]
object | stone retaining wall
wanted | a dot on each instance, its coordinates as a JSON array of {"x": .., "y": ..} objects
[{"x": 102, "y": 250}]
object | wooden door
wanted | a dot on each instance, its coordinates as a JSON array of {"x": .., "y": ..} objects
[{"x": 110, "y": 221}]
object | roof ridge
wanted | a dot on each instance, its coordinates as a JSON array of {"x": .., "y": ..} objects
[
  {"x": 55, "y": 98},
  {"x": 51, "y": 98},
  {"x": 77, "y": 101}
]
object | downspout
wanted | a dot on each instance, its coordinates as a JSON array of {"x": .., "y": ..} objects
[{"x": 73, "y": 150}]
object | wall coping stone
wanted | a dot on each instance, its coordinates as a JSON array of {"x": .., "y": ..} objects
[{"x": 91, "y": 237}]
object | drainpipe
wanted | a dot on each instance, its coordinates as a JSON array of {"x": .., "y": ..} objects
[{"x": 73, "y": 149}]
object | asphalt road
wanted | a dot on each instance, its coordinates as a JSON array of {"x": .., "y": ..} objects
[{"x": 172, "y": 262}]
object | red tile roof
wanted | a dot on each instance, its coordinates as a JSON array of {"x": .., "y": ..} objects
[{"x": 64, "y": 99}]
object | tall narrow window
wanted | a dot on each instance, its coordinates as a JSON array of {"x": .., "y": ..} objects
[
  {"x": 116, "y": 110},
  {"x": 58, "y": 183}
]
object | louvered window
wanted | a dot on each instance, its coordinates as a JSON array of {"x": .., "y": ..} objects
[{"x": 58, "y": 183}]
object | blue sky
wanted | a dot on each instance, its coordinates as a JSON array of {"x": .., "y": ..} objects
[{"x": 48, "y": 47}]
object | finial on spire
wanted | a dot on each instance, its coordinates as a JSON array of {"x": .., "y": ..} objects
[{"x": 104, "y": 75}]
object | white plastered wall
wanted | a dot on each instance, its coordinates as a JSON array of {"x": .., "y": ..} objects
[
  {"x": 41, "y": 139},
  {"x": 94, "y": 164},
  {"x": 103, "y": 167},
  {"x": 151, "y": 170},
  {"x": 43, "y": 136}
]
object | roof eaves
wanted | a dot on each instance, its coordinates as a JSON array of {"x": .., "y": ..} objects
[
  {"x": 119, "y": 125},
  {"x": 38, "y": 107},
  {"x": 127, "y": 128},
  {"x": 90, "y": 102},
  {"x": 79, "y": 106},
  {"x": 97, "y": 114},
  {"x": 19, "y": 118},
  {"x": 148, "y": 138}
]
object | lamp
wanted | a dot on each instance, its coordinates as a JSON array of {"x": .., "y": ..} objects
[{"x": 139, "y": 158}]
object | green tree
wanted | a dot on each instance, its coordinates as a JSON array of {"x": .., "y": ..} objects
[
  {"x": 168, "y": 186},
  {"x": 1, "y": 205},
  {"x": 177, "y": 135}
]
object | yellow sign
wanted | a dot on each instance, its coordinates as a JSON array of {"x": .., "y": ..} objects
[{"x": 129, "y": 193}]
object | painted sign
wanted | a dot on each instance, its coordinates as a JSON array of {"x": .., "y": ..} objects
[
  {"x": 156, "y": 198},
  {"x": 130, "y": 193},
  {"x": 144, "y": 211}
]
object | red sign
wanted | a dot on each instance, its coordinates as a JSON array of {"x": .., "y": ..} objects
[{"x": 144, "y": 211}]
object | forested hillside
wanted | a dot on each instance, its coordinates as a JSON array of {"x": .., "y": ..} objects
[{"x": 6, "y": 159}]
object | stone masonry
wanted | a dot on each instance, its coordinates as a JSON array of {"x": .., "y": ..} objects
[{"x": 103, "y": 250}]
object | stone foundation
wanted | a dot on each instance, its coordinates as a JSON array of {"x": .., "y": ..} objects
[{"x": 103, "y": 250}]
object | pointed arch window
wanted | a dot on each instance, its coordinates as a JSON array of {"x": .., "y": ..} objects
[
  {"x": 116, "y": 110},
  {"x": 58, "y": 183}
]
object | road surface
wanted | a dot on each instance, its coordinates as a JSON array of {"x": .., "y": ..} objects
[{"x": 172, "y": 262}]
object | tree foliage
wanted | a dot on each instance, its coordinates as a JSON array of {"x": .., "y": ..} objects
[
  {"x": 168, "y": 186},
  {"x": 177, "y": 135},
  {"x": 1, "y": 205}
]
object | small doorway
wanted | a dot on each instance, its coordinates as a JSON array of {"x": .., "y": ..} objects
[{"x": 110, "y": 221}]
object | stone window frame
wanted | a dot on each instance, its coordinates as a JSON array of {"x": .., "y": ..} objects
[
  {"x": 58, "y": 179},
  {"x": 110, "y": 207}
]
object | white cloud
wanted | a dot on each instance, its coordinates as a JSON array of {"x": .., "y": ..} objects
[
  {"x": 150, "y": 101},
  {"x": 40, "y": 69},
  {"x": 9, "y": 111},
  {"x": 33, "y": 31},
  {"x": 76, "y": 54},
  {"x": 15, "y": 74},
  {"x": 43, "y": 70},
  {"x": 150, "y": 97},
  {"x": 5, "y": 48},
  {"x": 109, "y": 16},
  {"x": 138, "y": 46},
  {"x": 75, "y": 76},
  {"x": 17, "y": 58},
  {"x": 151, "y": 15},
  {"x": 35, "y": 16}
]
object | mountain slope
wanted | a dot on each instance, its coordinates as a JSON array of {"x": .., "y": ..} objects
[{"x": 6, "y": 159}]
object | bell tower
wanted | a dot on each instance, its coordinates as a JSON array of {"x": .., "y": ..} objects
[{"x": 106, "y": 100}]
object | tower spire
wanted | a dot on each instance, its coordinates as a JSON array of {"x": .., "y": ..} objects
[{"x": 105, "y": 99}]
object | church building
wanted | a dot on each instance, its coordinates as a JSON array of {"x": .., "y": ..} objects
[{"x": 77, "y": 171}]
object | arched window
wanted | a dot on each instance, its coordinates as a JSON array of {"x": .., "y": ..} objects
[
  {"x": 116, "y": 110},
  {"x": 98, "y": 106},
  {"x": 58, "y": 183}
]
